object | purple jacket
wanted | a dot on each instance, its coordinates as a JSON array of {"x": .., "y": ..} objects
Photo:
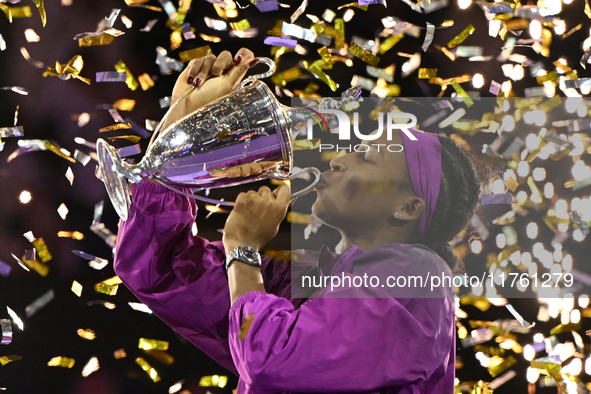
[{"x": 360, "y": 344}]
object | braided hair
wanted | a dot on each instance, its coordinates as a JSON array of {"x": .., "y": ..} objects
[{"x": 459, "y": 194}]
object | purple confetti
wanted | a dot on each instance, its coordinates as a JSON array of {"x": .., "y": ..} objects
[
  {"x": 116, "y": 116},
  {"x": 187, "y": 32},
  {"x": 84, "y": 255},
  {"x": 281, "y": 42},
  {"x": 138, "y": 129},
  {"x": 110, "y": 76},
  {"x": 368, "y": 2},
  {"x": 30, "y": 254},
  {"x": 5, "y": 268},
  {"x": 129, "y": 150},
  {"x": 495, "y": 88},
  {"x": 490, "y": 199},
  {"x": 266, "y": 5}
]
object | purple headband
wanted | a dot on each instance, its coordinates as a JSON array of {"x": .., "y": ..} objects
[{"x": 423, "y": 158}]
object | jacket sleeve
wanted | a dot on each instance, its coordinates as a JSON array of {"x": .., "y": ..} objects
[
  {"x": 338, "y": 344},
  {"x": 180, "y": 277}
]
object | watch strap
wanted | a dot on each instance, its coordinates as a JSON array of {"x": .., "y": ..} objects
[{"x": 244, "y": 254}]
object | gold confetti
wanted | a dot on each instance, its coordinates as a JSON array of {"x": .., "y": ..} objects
[
  {"x": 512, "y": 183},
  {"x": 240, "y": 25},
  {"x": 77, "y": 288},
  {"x": 195, "y": 53},
  {"x": 86, "y": 334},
  {"x": 148, "y": 7},
  {"x": 447, "y": 52},
  {"x": 210, "y": 38},
  {"x": 322, "y": 75},
  {"x": 63, "y": 362},
  {"x": 16, "y": 12},
  {"x": 104, "y": 288},
  {"x": 298, "y": 218},
  {"x": 565, "y": 328},
  {"x": 57, "y": 151},
  {"x": 161, "y": 356},
  {"x": 133, "y": 138},
  {"x": 228, "y": 12},
  {"x": 71, "y": 234},
  {"x": 462, "y": 93},
  {"x": 152, "y": 344},
  {"x": 245, "y": 327},
  {"x": 339, "y": 40},
  {"x": 517, "y": 24},
  {"x": 461, "y": 37},
  {"x": 124, "y": 105},
  {"x": 306, "y": 144},
  {"x": 145, "y": 81},
  {"x": 148, "y": 369},
  {"x": 364, "y": 55},
  {"x": 176, "y": 39},
  {"x": 119, "y": 353},
  {"x": 325, "y": 55},
  {"x": 130, "y": 80},
  {"x": 90, "y": 41},
  {"x": 42, "y": 250},
  {"x": 8, "y": 359},
  {"x": 213, "y": 381},
  {"x": 41, "y": 269},
  {"x": 69, "y": 70},
  {"x": 113, "y": 281},
  {"x": 427, "y": 73},
  {"x": 328, "y": 155},
  {"x": 118, "y": 126},
  {"x": 355, "y": 4},
  {"x": 389, "y": 42}
]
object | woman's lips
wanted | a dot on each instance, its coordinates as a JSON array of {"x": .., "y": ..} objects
[{"x": 321, "y": 183}]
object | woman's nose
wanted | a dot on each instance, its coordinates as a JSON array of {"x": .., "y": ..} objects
[{"x": 338, "y": 163}]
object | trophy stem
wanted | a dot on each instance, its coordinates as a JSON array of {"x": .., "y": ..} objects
[{"x": 112, "y": 167}]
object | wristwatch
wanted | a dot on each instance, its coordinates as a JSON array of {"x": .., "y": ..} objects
[{"x": 245, "y": 254}]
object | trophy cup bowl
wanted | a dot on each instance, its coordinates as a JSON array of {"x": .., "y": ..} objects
[{"x": 246, "y": 126}]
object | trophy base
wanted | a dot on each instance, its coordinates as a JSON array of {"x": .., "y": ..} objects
[{"x": 116, "y": 184}]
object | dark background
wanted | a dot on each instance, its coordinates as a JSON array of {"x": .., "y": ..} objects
[{"x": 50, "y": 111}]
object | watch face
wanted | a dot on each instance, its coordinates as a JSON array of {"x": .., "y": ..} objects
[{"x": 249, "y": 253}]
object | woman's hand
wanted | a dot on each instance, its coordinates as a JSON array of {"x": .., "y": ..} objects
[
  {"x": 213, "y": 77},
  {"x": 245, "y": 170},
  {"x": 255, "y": 219}
]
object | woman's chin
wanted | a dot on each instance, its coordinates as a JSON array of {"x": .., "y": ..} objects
[{"x": 319, "y": 212}]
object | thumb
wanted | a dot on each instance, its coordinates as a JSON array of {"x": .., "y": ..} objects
[
  {"x": 238, "y": 72},
  {"x": 282, "y": 193}
]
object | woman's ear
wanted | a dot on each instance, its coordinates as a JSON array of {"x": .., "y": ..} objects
[{"x": 412, "y": 209}]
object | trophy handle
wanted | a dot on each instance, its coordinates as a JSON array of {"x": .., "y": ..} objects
[
  {"x": 308, "y": 170},
  {"x": 270, "y": 173},
  {"x": 268, "y": 73}
]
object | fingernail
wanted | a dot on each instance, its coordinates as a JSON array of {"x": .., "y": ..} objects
[
  {"x": 190, "y": 79},
  {"x": 229, "y": 66},
  {"x": 237, "y": 60},
  {"x": 253, "y": 63},
  {"x": 197, "y": 82}
]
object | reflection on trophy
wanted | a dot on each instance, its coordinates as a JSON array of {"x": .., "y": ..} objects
[{"x": 243, "y": 137}]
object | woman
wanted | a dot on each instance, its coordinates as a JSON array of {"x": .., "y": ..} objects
[{"x": 396, "y": 213}]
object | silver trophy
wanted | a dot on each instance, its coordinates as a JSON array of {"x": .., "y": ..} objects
[{"x": 244, "y": 127}]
